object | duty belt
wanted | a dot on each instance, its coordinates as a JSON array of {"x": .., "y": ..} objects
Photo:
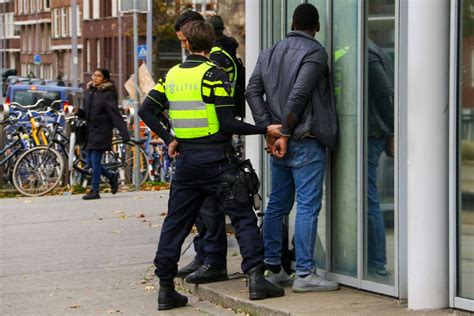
[{"x": 188, "y": 146}]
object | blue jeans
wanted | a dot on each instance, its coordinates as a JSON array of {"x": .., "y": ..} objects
[
  {"x": 301, "y": 171},
  {"x": 93, "y": 160},
  {"x": 376, "y": 227}
]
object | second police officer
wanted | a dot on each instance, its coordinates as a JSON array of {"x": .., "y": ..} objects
[{"x": 201, "y": 109}]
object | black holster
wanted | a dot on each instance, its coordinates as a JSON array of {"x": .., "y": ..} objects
[{"x": 240, "y": 185}]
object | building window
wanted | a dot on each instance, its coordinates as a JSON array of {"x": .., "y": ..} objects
[
  {"x": 98, "y": 53},
  {"x": 69, "y": 15},
  {"x": 46, "y": 5},
  {"x": 88, "y": 56},
  {"x": 86, "y": 8},
  {"x": 54, "y": 23},
  {"x": 2, "y": 29},
  {"x": 79, "y": 21},
  {"x": 63, "y": 22},
  {"x": 10, "y": 25},
  {"x": 19, "y": 6}
]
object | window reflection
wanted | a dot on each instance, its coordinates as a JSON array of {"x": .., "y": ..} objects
[
  {"x": 466, "y": 168},
  {"x": 379, "y": 117},
  {"x": 344, "y": 178}
]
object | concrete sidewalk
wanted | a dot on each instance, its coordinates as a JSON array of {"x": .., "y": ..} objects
[{"x": 61, "y": 255}]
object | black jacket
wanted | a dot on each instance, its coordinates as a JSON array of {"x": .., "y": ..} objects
[
  {"x": 294, "y": 77},
  {"x": 102, "y": 115},
  {"x": 381, "y": 92}
]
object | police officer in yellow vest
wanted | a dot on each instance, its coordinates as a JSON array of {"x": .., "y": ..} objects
[
  {"x": 210, "y": 244},
  {"x": 197, "y": 94}
]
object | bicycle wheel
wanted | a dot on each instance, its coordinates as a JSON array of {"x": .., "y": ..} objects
[
  {"x": 38, "y": 171},
  {"x": 121, "y": 158}
]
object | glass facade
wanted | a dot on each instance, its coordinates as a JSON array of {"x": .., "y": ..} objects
[
  {"x": 340, "y": 230},
  {"x": 379, "y": 211},
  {"x": 359, "y": 237},
  {"x": 344, "y": 170},
  {"x": 465, "y": 215}
]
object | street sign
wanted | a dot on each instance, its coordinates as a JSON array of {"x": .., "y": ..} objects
[
  {"x": 127, "y": 6},
  {"x": 37, "y": 59},
  {"x": 141, "y": 51}
]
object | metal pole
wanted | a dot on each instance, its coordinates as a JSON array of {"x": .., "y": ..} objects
[
  {"x": 3, "y": 48},
  {"x": 37, "y": 38},
  {"x": 136, "y": 120},
  {"x": 120, "y": 54},
  {"x": 75, "y": 59},
  {"x": 149, "y": 36}
]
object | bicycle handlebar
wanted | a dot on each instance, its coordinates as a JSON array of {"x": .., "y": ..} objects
[{"x": 27, "y": 107}]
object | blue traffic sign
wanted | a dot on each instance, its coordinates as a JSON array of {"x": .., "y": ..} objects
[
  {"x": 37, "y": 59},
  {"x": 141, "y": 51}
]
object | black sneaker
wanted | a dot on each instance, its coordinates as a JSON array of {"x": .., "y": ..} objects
[
  {"x": 92, "y": 195},
  {"x": 207, "y": 274},
  {"x": 114, "y": 183},
  {"x": 189, "y": 268}
]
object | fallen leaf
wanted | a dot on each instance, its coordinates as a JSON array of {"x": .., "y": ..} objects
[
  {"x": 123, "y": 217},
  {"x": 143, "y": 281},
  {"x": 119, "y": 212},
  {"x": 113, "y": 311},
  {"x": 27, "y": 201},
  {"x": 163, "y": 213},
  {"x": 75, "y": 306},
  {"x": 155, "y": 225},
  {"x": 141, "y": 215},
  {"x": 144, "y": 221},
  {"x": 149, "y": 287}
]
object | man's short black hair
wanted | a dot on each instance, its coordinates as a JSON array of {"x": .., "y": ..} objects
[
  {"x": 186, "y": 17},
  {"x": 305, "y": 17}
]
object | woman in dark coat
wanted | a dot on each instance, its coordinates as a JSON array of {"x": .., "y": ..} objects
[{"x": 102, "y": 115}]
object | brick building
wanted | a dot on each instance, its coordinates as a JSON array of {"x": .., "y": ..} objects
[
  {"x": 61, "y": 41},
  {"x": 9, "y": 37},
  {"x": 34, "y": 19}
]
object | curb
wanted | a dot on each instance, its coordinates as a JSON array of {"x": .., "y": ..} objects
[{"x": 209, "y": 293}]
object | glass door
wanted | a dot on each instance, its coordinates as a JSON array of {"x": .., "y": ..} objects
[
  {"x": 357, "y": 230},
  {"x": 363, "y": 225},
  {"x": 462, "y": 219},
  {"x": 345, "y": 163},
  {"x": 380, "y": 217}
]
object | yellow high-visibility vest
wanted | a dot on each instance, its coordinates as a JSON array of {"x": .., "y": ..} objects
[
  {"x": 190, "y": 116},
  {"x": 232, "y": 74}
]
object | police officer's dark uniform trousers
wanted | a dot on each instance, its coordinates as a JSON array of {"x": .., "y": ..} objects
[{"x": 201, "y": 112}]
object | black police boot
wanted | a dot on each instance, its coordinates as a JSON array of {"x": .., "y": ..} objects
[
  {"x": 189, "y": 268},
  {"x": 207, "y": 274},
  {"x": 92, "y": 195},
  {"x": 168, "y": 298},
  {"x": 114, "y": 183},
  {"x": 259, "y": 288}
]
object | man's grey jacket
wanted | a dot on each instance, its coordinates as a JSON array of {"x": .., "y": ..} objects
[{"x": 294, "y": 77}]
